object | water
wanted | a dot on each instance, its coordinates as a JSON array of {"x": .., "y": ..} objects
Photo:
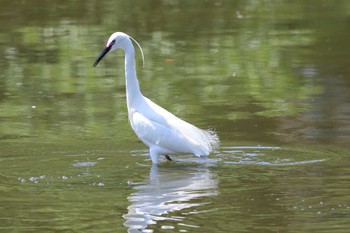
[{"x": 271, "y": 77}]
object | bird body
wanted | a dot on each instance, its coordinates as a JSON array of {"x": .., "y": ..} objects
[{"x": 163, "y": 132}]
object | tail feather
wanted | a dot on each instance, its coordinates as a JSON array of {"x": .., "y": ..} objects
[
  {"x": 213, "y": 139},
  {"x": 208, "y": 142}
]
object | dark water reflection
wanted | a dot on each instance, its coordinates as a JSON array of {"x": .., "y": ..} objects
[{"x": 271, "y": 77}]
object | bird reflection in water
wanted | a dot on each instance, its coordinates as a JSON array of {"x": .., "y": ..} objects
[{"x": 169, "y": 190}]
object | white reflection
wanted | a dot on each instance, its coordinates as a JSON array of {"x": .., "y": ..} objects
[{"x": 168, "y": 190}]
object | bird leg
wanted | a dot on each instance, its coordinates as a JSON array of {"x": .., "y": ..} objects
[{"x": 168, "y": 157}]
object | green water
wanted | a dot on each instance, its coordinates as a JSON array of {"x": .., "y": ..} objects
[{"x": 272, "y": 77}]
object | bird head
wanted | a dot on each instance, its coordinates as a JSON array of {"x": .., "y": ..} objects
[{"x": 115, "y": 41}]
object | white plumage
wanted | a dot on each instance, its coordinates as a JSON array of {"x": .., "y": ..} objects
[{"x": 163, "y": 132}]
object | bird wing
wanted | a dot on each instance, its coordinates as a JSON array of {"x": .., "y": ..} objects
[{"x": 163, "y": 134}]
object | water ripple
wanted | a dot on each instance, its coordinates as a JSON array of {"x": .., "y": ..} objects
[{"x": 268, "y": 156}]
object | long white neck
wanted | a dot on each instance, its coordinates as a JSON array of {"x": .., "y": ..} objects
[{"x": 133, "y": 92}]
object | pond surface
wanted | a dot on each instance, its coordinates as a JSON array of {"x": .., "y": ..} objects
[{"x": 272, "y": 78}]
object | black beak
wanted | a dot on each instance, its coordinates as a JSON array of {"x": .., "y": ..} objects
[{"x": 103, "y": 53}]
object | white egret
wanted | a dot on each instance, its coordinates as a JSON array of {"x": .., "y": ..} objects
[{"x": 164, "y": 133}]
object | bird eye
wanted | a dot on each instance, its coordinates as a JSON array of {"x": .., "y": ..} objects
[{"x": 111, "y": 43}]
